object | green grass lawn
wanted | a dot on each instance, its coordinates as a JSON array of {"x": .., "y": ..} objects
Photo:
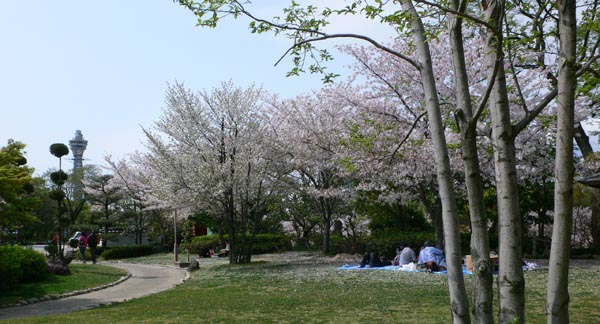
[
  {"x": 82, "y": 276},
  {"x": 306, "y": 288}
]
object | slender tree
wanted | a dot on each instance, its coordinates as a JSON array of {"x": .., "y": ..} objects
[{"x": 557, "y": 305}]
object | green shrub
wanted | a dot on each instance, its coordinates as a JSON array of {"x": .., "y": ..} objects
[
  {"x": 581, "y": 251},
  {"x": 127, "y": 252},
  {"x": 201, "y": 245},
  {"x": 52, "y": 250},
  {"x": 386, "y": 243},
  {"x": 339, "y": 244},
  {"x": 10, "y": 267},
  {"x": 269, "y": 243},
  {"x": 263, "y": 243},
  {"x": 33, "y": 265},
  {"x": 18, "y": 265}
]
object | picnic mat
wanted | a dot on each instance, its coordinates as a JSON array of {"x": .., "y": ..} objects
[
  {"x": 526, "y": 266},
  {"x": 392, "y": 268}
]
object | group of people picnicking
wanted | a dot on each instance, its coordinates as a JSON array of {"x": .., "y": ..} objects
[{"x": 427, "y": 257}]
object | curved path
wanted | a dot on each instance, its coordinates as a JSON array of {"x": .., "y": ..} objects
[{"x": 145, "y": 280}]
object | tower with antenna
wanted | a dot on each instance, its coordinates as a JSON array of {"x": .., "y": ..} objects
[{"x": 78, "y": 145}]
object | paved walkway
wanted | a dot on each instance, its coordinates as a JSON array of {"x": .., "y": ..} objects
[{"x": 145, "y": 280}]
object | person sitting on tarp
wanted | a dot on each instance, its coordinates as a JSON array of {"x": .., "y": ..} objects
[
  {"x": 408, "y": 254},
  {"x": 374, "y": 260},
  {"x": 431, "y": 258},
  {"x": 401, "y": 247}
]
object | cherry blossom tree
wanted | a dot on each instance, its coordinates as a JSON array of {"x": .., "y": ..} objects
[
  {"x": 310, "y": 128},
  {"x": 137, "y": 193},
  {"x": 215, "y": 149}
]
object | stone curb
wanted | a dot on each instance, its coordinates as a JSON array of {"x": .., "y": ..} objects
[{"x": 65, "y": 295}]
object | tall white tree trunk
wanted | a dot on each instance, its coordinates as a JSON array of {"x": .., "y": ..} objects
[
  {"x": 459, "y": 303},
  {"x": 557, "y": 299},
  {"x": 482, "y": 283},
  {"x": 511, "y": 283}
]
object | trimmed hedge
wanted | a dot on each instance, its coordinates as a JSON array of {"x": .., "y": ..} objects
[
  {"x": 386, "y": 244},
  {"x": 122, "y": 252},
  {"x": 269, "y": 243},
  {"x": 201, "y": 245},
  {"x": 263, "y": 243},
  {"x": 18, "y": 265}
]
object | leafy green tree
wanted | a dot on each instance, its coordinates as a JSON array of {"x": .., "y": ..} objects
[
  {"x": 44, "y": 210},
  {"x": 16, "y": 189}
]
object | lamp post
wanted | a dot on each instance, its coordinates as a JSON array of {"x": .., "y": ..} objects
[{"x": 175, "y": 254}]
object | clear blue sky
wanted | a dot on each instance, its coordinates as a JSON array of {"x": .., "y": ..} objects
[{"x": 102, "y": 67}]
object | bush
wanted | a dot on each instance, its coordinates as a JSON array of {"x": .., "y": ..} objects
[
  {"x": 20, "y": 265},
  {"x": 10, "y": 268},
  {"x": 52, "y": 250},
  {"x": 201, "y": 245},
  {"x": 122, "y": 252},
  {"x": 269, "y": 243},
  {"x": 386, "y": 244},
  {"x": 263, "y": 243},
  {"x": 583, "y": 252},
  {"x": 339, "y": 244},
  {"x": 34, "y": 266}
]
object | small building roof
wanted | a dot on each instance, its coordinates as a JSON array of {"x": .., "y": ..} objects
[{"x": 591, "y": 181}]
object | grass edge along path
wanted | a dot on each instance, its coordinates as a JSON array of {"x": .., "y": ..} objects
[
  {"x": 305, "y": 288},
  {"x": 84, "y": 278}
]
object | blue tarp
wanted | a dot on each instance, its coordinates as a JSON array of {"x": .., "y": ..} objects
[{"x": 391, "y": 268}]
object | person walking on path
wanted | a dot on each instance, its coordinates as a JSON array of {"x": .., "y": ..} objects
[
  {"x": 83, "y": 241},
  {"x": 92, "y": 242}
]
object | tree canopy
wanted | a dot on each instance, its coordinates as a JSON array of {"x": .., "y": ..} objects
[{"x": 16, "y": 200}]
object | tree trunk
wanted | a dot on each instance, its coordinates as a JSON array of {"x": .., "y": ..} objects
[
  {"x": 557, "y": 299},
  {"x": 435, "y": 213},
  {"x": 326, "y": 221},
  {"x": 438, "y": 223},
  {"x": 482, "y": 283},
  {"x": 511, "y": 281},
  {"x": 459, "y": 304}
]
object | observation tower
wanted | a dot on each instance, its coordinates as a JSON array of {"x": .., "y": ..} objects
[{"x": 78, "y": 145}]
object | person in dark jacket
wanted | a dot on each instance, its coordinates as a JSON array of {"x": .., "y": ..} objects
[{"x": 92, "y": 241}]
